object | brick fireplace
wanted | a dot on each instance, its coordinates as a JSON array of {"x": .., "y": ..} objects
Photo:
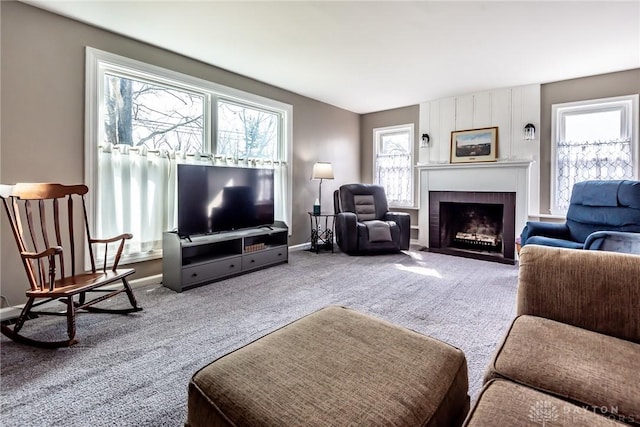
[
  {"x": 473, "y": 224},
  {"x": 473, "y": 209}
]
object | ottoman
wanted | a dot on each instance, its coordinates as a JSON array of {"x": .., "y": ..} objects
[{"x": 334, "y": 367}]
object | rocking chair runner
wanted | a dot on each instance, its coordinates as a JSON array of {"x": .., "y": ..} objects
[{"x": 44, "y": 263}]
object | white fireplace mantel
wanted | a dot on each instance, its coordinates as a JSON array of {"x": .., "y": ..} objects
[
  {"x": 484, "y": 165},
  {"x": 500, "y": 176}
]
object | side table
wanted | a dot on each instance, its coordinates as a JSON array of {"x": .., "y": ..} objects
[{"x": 322, "y": 234}]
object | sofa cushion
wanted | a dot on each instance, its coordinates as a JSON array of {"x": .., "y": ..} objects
[
  {"x": 629, "y": 194},
  {"x": 593, "y": 290},
  {"x": 571, "y": 363},
  {"x": 348, "y": 192},
  {"x": 379, "y": 231},
  {"x": 584, "y": 220},
  {"x": 552, "y": 241},
  {"x": 365, "y": 207},
  {"x": 596, "y": 193},
  {"x": 504, "y": 403}
]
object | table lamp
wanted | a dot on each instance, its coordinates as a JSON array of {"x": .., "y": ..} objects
[{"x": 321, "y": 170}]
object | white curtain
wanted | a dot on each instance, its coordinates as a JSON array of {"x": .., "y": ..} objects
[
  {"x": 578, "y": 161},
  {"x": 137, "y": 193},
  {"x": 280, "y": 182}
]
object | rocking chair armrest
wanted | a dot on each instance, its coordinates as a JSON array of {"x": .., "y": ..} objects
[
  {"x": 46, "y": 253},
  {"x": 121, "y": 238},
  {"x": 124, "y": 236}
]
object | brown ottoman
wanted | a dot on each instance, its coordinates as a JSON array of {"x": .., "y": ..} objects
[
  {"x": 507, "y": 404},
  {"x": 333, "y": 367}
]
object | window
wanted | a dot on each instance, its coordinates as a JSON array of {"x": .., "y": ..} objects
[
  {"x": 152, "y": 115},
  {"x": 596, "y": 139},
  {"x": 246, "y": 132},
  {"x": 393, "y": 163},
  {"x": 143, "y": 120}
]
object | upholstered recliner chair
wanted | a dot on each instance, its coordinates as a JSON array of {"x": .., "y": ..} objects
[
  {"x": 364, "y": 223},
  {"x": 595, "y": 207}
]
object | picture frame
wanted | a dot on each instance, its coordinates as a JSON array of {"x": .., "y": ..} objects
[{"x": 474, "y": 145}]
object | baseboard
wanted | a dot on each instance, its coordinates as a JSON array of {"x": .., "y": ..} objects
[
  {"x": 8, "y": 313},
  {"x": 300, "y": 247},
  {"x": 156, "y": 279}
]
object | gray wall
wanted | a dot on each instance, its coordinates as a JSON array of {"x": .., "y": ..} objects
[
  {"x": 600, "y": 86},
  {"x": 368, "y": 122},
  {"x": 42, "y": 123},
  {"x": 396, "y": 116}
]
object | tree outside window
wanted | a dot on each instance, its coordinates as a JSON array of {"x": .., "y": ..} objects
[
  {"x": 138, "y": 113},
  {"x": 245, "y": 132}
]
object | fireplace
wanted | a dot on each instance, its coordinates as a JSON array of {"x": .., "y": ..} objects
[
  {"x": 505, "y": 182},
  {"x": 473, "y": 224}
]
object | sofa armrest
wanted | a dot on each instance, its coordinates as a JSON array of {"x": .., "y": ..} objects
[
  {"x": 594, "y": 290},
  {"x": 547, "y": 229},
  {"x": 615, "y": 241},
  {"x": 403, "y": 220}
]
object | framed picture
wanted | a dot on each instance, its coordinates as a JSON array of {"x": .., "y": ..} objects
[{"x": 474, "y": 145}]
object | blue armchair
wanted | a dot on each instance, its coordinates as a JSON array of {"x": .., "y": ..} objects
[{"x": 595, "y": 206}]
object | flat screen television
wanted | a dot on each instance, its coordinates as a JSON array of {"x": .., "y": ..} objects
[{"x": 212, "y": 199}]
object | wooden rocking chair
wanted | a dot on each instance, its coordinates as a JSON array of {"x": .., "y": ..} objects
[{"x": 44, "y": 209}]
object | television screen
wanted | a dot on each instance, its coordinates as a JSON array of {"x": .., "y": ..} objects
[{"x": 220, "y": 198}]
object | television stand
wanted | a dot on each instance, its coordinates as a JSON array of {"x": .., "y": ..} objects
[{"x": 201, "y": 259}]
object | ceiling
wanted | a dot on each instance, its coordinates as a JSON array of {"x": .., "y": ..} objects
[{"x": 371, "y": 56}]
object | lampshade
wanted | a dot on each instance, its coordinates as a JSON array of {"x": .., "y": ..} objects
[{"x": 322, "y": 170}]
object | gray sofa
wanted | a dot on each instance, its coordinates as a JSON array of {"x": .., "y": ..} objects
[{"x": 572, "y": 354}]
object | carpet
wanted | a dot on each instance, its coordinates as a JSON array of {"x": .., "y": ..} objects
[{"x": 133, "y": 370}]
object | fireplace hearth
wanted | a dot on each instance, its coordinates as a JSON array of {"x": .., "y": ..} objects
[{"x": 473, "y": 224}]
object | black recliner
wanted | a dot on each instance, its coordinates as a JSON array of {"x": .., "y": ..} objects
[{"x": 364, "y": 223}]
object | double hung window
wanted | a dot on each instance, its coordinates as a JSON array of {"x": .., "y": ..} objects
[
  {"x": 393, "y": 163},
  {"x": 245, "y": 132},
  {"x": 596, "y": 139},
  {"x": 142, "y": 121}
]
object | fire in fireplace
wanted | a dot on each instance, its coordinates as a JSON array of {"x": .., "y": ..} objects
[{"x": 473, "y": 224}]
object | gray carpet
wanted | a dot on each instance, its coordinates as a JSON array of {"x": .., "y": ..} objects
[{"x": 134, "y": 370}]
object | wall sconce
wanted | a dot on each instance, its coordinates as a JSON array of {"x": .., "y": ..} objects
[
  {"x": 529, "y": 132},
  {"x": 424, "y": 141}
]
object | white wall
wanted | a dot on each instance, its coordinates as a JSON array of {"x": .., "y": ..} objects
[{"x": 509, "y": 109}]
